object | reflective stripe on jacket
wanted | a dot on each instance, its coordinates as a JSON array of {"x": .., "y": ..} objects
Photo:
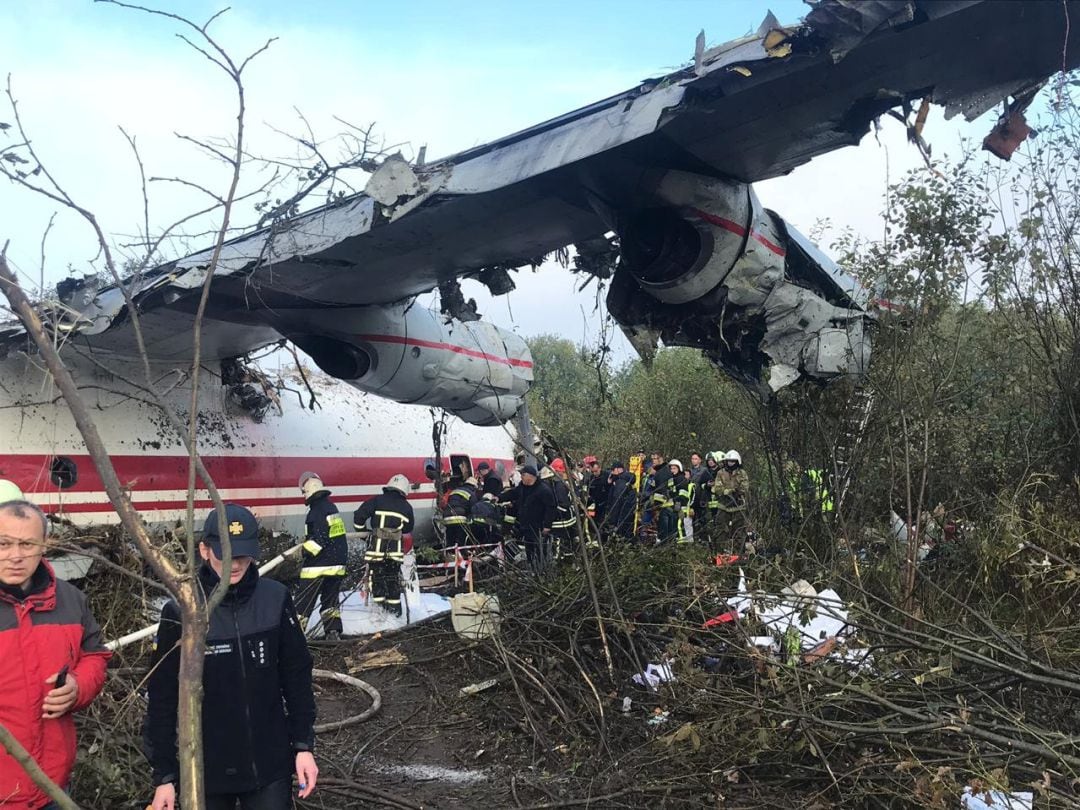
[{"x": 325, "y": 548}]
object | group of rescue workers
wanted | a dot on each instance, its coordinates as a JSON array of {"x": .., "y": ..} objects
[
  {"x": 540, "y": 507},
  {"x": 656, "y": 501},
  {"x": 386, "y": 522}
]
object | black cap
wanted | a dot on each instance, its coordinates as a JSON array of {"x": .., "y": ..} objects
[
  {"x": 483, "y": 465},
  {"x": 615, "y": 464},
  {"x": 528, "y": 469},
  {"x": 243, "y": 531}
]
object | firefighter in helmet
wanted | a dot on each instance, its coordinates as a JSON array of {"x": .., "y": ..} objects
[
  {"x": 389, "y": 520},
  {"x": 731, "y": 486},
  {"x": 325, "y": 554}
]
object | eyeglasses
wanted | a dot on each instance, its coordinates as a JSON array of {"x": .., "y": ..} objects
[{"x": 13, "y": 547}]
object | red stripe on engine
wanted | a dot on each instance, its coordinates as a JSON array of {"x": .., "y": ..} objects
[
  {"x": 738, "y": 230},
  {"x": 447, "y": 347},
  {"x": 720, "y": 222},
  {"x": 775, "y": 248}
]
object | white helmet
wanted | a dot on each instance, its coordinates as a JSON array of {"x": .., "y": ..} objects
[
  {"x": 715, "y": 456},
  {"x": 471, "y": 481},
  {"x": 311, "y": 484},
  {"x": 675, "y": 463},
  {"x": 398, "y": 482},
  {"x": 10, "y": 492},
  {"x": 733, "y": 455}
]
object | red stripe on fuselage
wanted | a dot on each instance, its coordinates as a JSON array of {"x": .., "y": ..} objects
[
  {"x": 170, "y": 472},
  {"x": 250, "y": 503},
  {"x": 446, "y": 347}
]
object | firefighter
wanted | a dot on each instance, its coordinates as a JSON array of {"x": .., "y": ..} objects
[
  {"x": 507, "y": 503},
  {"x": 389, "y": 520},
  {"x": 456, "y": 513},
  {"x": 325, "y": 554},
  {"x": 565, "y": 521},
  {"x": 807, "y": 492},
  {"x": 486, "y": 519},
  {"x": 701, "y": 478},
  {"x": 662, "y": 498},
  {"x": 682, "y": 498},
  {"x": 731, "y": 487},
  {"x": 818, "y": 487}
]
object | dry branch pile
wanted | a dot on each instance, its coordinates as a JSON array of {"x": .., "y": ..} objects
[{"x": 962, "y": 692}]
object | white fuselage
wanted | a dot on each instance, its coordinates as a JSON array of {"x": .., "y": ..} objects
[{"x": 354, "y": 441}]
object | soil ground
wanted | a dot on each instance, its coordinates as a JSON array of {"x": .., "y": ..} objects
[{"x": 427, "y": 745}]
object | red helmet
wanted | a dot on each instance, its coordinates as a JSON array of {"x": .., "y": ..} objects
[
  {"x": 589, "y": 460},
  {"x": 558, "y": 465}
]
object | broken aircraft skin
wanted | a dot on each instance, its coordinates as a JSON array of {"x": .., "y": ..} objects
[{"x": 665, "y": 167}]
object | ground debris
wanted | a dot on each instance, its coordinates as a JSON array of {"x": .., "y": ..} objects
[{"x": 378, "y": 658}]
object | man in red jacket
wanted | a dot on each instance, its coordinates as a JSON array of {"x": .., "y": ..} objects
[{"x": 53, "y": 658}]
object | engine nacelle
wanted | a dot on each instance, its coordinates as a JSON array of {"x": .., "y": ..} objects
[
  {"x": 707, "y": 266},
  {"x": 406, "y": 353}
]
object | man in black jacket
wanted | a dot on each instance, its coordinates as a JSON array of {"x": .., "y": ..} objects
[
  {"x": 621, "y": 502},
  {"x": 701, "y": 476},
  {"x": 258, "y": 706},
  {"x": 535, "y": 513},
  {"x": 489, "y": 482},
  {"x": 326, "y": 552},
  {"x": 597, "y": 492},
  {"x": 390, "y": 516},
  {"x": 662, "y": 498}
]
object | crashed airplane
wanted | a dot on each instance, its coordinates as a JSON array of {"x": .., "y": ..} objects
[{"x": 652, "y": 187}]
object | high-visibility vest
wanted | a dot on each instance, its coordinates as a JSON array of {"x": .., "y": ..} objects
[{"x": 821, "y": 490}]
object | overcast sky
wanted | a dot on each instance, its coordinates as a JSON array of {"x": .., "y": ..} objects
[{"x": 445, "y": 75}]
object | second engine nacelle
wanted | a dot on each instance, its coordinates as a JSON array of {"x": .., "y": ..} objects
[
  {"x": 708, "y": 267},
  {"x": 406, "y": 353}
]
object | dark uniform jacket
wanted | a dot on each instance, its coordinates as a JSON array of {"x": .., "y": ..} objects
[
  {"x": 701, "y": 477},
  {"x": 492, "y": 485},
  {"x": 488, "y": 513},
  {"x": 325, "y": 547},
  {"x": 598, "y": 495},
  {"x": 621, "y": 502},
  {"x": 390, "y": 510},
  {"x": 508, "y": 501},
  {"x": 662, "y": 490},
  {"x": 258, "y": 706},
  {"x": 536, "y": 509},
  {"x": 459, "y": 503},
  {"x": 564, "y": 504}
]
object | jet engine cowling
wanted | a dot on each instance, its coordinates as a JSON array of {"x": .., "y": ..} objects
[
  {"x": 409, "y": 354},
  {"x": 703, "y": 264}
]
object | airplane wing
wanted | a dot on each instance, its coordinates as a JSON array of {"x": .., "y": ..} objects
[{"x": 665, "y": 167}]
